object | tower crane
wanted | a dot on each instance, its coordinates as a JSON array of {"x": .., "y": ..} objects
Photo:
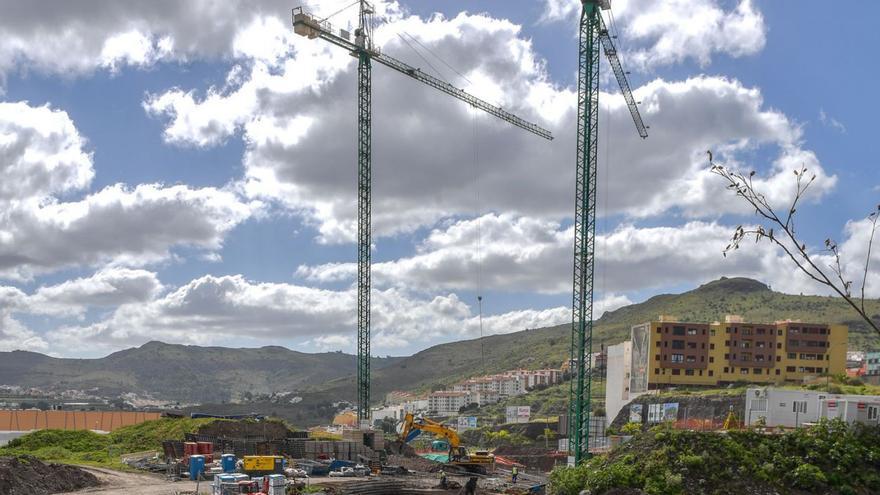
[
  {"x": 593, "y": 33},
  {"x": 366, "y": 52}
]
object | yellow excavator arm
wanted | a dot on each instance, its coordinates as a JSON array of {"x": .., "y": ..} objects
[{"x": 411, "y": 423}]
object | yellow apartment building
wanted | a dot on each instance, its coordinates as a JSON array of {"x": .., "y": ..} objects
[{"x": 669, "y": 352}]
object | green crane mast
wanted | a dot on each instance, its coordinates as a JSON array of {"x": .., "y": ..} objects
[
  {"x": 362, "y": 47},
  {"x": 592, "y": 33}
]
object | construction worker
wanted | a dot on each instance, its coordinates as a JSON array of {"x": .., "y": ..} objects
[
  {"x": 513, "y": 474},
  {"x": 470, "y": 488},
  {"x": 443, "y": 483}
]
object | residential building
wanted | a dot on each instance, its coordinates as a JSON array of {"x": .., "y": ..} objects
[
  {"x": 669, "y": 352},
  {"x": 794, "y": 408},
  {"x": 447, "y": 402},
  {"x": 872, "y": 360}
]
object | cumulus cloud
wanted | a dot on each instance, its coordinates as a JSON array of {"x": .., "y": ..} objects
[
  {"x": 669, "y": 32},
  {"x": 13, "y": 334},
  {"x": 525, "y": 254},
  {"x": 118, "y": 225},
  {"x": 222, "y": 309},
  {"x": 41, "y": 153},
  {"x": 43, "y": 159},
  {"x": 301, "y": 147},
  {"x": 107, "y": 288}
]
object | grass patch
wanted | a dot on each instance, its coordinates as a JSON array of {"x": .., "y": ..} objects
[{"x": 103, "y": 450}]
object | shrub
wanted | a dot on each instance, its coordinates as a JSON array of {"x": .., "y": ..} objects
[{"x": 808, "y": 476}]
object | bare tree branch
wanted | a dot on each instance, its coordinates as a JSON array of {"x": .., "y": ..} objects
[{"x": 785, "y": 238}]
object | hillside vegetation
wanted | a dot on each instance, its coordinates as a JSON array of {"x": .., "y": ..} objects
[
  {"x": 829, "y": 458},
  {"x": 88, "y": 447}
]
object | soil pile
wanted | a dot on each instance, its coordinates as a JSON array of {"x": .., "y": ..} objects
[
  {"x": 28, "y": 475},
  {"x": 269, "y": 430}
]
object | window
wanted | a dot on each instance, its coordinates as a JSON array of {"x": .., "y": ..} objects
[
  {"x": 727, "y": 330},
  {"x": 726, "y": 369},
  {"x": 666, "y": 344},
  {"x": 712, "y": 332},
  {"x": 777, "y": 371},
  {"x": 692, "y": 345},
  {"x": 745, "y": 357},
  {"x": 676, "y": 371},
  {"x": 711, "y": 359},
  {"x": 665, "y": 357},
  {"x": 703, "y": 345},
  {"x": 779, "y": 345},
  {"x": 743, "y": 371},
  {"x": 873, "y": 413},
  {"x": 689, "y": 372},
  {"x": 778, "y": 359},
  {"x": 792, "y": 355},
  {"x": 759, "y": 405},
  {"x": 760, "y": 345},
  {"x": 678, "y": 331},
  {"x": 747, "y": 331},
  {"x": 658, "y": 330},
  {"x": 711, "y": 346},
  {"x": 727, "y": 343},
  {"x": 727, "y": 356},
  {"x": 756, "y": 371},
  {"x": 657, "y": 357},
  {"x": 656, "y": 371},
  {"x": 704, "y": 331},
  {"x": 659, "y": 344},
  {"x": 678, "y": 358},
  {"x": 712, "y": 373},
  {"x": 692, "y": 331},
  {"x": 759, "y": 357},
  {"x": 746, "y": 344},
  {"x": 801, "y": 369},
  {"x": 691, "y": 359},
  {"x": 779, "y": 332},
  {"x": 799, "y": 406},
  {"x": 793, "y": 343},
  {"x": 702, "y": 359},
  {"x": 678, "y": 344},
  {"x": 734, "y": 343},
  {"x": 789, "y": 369},
  {"x": 761, "y": 331},
  {"x": 701, "y": 372}
]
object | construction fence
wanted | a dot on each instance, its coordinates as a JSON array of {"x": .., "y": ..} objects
[{"x": 32, "y": 419}]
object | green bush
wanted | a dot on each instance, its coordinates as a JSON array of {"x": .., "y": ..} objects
[
  {"x": 830, "y": 457},
  {"x": 808, "y": 476}
]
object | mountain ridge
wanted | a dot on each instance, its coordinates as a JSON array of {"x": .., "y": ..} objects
[{"x": 221, "y": 375}]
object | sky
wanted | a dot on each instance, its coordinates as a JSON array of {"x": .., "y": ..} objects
[{"x": 186, "y": 171}]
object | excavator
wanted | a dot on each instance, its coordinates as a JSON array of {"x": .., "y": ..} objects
[{"x": 482, "y": 462}]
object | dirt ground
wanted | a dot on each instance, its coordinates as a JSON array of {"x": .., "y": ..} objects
[{"x": 140, "y": 484}]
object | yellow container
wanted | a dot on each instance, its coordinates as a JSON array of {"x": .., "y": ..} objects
[{"x": 267, "y": 464}]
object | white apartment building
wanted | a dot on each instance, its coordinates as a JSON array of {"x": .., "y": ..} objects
[{"x": 447, "y": 402}]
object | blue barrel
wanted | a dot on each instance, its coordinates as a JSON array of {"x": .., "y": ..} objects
[
  {"x": 196, "y": 466},
  {"x": 227, "y": 462}
]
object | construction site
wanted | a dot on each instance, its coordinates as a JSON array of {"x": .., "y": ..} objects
[{"x": 747, "y": 390}]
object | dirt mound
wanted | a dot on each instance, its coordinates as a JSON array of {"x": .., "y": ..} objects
[
  {"x": 414, "y": 463},
  {"x": 268, "y": 430},
  {"x": 28, "y": 475}
]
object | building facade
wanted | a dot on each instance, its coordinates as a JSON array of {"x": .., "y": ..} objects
[
  {"x": 669, "y": 352},
  {"x": 793, "y": 408},
  {"x": 447, "y": 403}
]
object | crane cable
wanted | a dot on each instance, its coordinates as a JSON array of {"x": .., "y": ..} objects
[{"x": 479, "y": 235}]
